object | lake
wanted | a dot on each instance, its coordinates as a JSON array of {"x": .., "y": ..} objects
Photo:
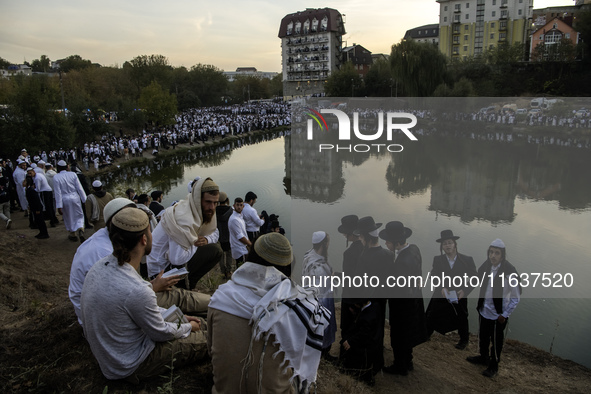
[{"x": 532, "y": 192}]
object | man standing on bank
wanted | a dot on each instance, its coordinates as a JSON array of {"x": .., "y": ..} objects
[
  {"x": 252, "y": 219},
  {"x": 498, "y": 298},
  {"x": 407, "y": 314},
  {"x": 451, "y": 264},
  {"x": 69, "y": 197}
]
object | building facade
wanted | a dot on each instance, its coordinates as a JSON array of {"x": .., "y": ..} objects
[
  {"x": 248, "y": 72},
  {"x": 359, "y": 57},
  {"x": 311, "y": 48},
  {"x": 470, "y": 27},
  {"x": 551, "y": 35}
]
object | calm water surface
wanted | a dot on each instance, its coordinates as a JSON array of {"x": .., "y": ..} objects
[{"x": 536, "y": 197}]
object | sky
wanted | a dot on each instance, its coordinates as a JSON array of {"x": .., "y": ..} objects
[{"x": 227, "y": 34}]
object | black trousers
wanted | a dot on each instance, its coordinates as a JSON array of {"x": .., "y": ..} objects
[
  {"x": 38, "y": 220},
  {"x": 492, "y": 333},
  {"x": 252, "y": 235},
  {"x": 205, "y": 258},
  {"x": 49, "y": 207},
  {"x": 462, "y": 316}
]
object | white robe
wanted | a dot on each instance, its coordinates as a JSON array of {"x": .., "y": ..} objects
[
  {"x": 69, "y": 196},
  {"x": 19, "y": 176}
]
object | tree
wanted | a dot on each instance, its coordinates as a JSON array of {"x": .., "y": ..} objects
[
  {"x": 145, "y": 69},
  {"x": 31, "y": 118},
  {"x": 4, "y": 63},
  {"x": 379, "y": 81},
  {"x": 419, "y": 67},
  {"x": 345, "y": 82},
  {"x": 276, "y": 85},
  {"x": 208, "y": 83},
  {"x": 158, "y": 105},
  {"x": 74, "y": 62},
  {"x": 41, "y": 65}
]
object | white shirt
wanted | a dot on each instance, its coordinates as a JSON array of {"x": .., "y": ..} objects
[
  {"x": 92, "y": 250},
  {"x": 166, "y": 251},
  {"x": 41, "y": 184},
  {"x": 251, "y": 218},
  {"x": 237, "y": 230},
  {"x": 511, "y": 298}
]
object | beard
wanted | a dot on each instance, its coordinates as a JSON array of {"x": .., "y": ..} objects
[{"x": 207, "y": 216}]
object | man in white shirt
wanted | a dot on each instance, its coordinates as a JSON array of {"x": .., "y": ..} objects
[
  {"x": 45, "y": 194},
  {"x": 69, "y": 197},
  {"x": 251, "y": 218},
  {"x": 122, "y": 322},
  {"x": 239, "y": 242},
  {"x": 498, "y": 298},
  {"x": 187, "y": 234}
]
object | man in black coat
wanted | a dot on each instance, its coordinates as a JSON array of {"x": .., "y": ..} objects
[
  {"x": 448, "y": 268},
  {"x": 406, "y": 308},
  {"x": 496, "y": 302}
]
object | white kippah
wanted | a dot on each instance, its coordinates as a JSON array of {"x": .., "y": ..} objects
[
  {"x": 97, "y": 183},
  {"x": 318, "y": 237},
  {"x": 62, "y": 163},
  {"x": 41, "y": 162},
  {"x": 498, "y": 243}
]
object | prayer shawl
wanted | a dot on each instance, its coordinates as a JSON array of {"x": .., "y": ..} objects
[
  {"x": 182, "y": 222},
  {"x": 276, "y": 305}
]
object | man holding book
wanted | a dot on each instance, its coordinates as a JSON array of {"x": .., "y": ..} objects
[{"x": 122, "y": 321}]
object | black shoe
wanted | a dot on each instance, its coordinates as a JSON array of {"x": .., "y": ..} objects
[
  {"x": 490, "y": 373},
  {"x": 81, "y": 235},
  {"x": 88, "y": 226},
  {"x": 42, "y": 236},
  {"x": 461, "y": 345},
  {"x": 73, "y": 238},
  {"x": 478, "y": 360},
  {"x": 395, "y": 370}
]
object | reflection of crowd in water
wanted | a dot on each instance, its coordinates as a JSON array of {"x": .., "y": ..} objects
[{"x": 368, "y": 124}]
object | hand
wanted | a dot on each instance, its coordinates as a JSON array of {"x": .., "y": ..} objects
[
  {"x": 201, "y": 241},
  {"x": 60, "y": 211},
  {"x": 501, "y": 319},
  {"x": 460, "y": 294},
  {"x": 164, "y": 284},
  {"x": 346, "y": 345},
  {"x": 195, "y": 323}
]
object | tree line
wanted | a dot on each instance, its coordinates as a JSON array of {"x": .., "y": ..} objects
[{"x": 145, "y": 89}]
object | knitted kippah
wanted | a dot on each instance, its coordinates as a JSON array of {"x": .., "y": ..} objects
[
  {"x": 209, "y": 186},
  {"x": 132, "y": 220},
  {"x": 274, "y": 248}
]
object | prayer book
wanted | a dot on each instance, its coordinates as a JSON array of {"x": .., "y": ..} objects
[
  {"x": 174, "y": 315},
  {"x": 175, "y": 271}
]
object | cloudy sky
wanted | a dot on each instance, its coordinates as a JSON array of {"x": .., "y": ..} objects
[{"x": 227, "y": 34}]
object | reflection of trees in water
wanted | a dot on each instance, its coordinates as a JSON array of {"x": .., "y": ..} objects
[
  {"x": 411, "y": 171},
  {"x": 165, "y": 172}
]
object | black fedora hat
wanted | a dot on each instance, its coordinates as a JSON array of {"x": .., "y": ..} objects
[
  {"x": 447, "y": 234},
  {"x": 395, "y": 231},
  {"x": 348, "y": 224},
  {"x": 366, "y": 225}
]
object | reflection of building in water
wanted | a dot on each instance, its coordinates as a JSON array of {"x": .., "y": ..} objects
[
  {"x": 317, "y": 176},
  {"x": 473, "y": 191}
]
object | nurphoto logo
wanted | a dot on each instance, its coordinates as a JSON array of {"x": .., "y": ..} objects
[{"x": 344, "y": 130}]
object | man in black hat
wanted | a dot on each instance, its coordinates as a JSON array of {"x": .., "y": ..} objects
[
  {"x": 448, "y": 308},
  {"x": 407, "y": 314},
  {"x": 350, "y": 258},
  {"x": 374, "y": 261}
]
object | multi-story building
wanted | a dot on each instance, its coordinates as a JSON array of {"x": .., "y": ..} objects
[
  {"x": 567, "y": 13},
  {"x": 469, "y": 27},
  {"x": 311, "y": 48},
  {"x": 426, "y": 33},
  {"x": 551, "y": 35},
  {"x": 359, "y": 57}
]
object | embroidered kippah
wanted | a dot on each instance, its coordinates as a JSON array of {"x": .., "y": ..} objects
[{"x": 132, "y": 220}]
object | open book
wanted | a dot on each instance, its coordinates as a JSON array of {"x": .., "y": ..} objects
[
  {"x": 175, "y": 271},
  {"x": 174, "y": 315}
]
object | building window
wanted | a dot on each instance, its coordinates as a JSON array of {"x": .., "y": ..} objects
[
  {"x": 502, "y": 36},
  {"x": 492, "y": 25},
  {"x": 491, "y": 46},
  {"x": 315, "y": 25},
  {"x": 324, "y": 24},
  {"x": 456, "y": 50},
  {"x": 456, "y": 40},
  {"x": 445, "y": 18},
  {"x": 465, "y": 37},
  {"x": 456, "y": 18},
  {"x": 503, "y": 13},
  {"x": 492, "y": 36},
  {"x": 290, "y": 28},
  {"x": 553, "y": 37},
  {"x": 567, "y": 35},
  {"x": 465, "y": 48},
  {"x": 520, "y": 1},
  {"x": 467, "y": 5},
  {"x": 458, "y": 7},
  {"x": 419, "y": 32},
  {"x": 466, "y": 27},
  {"x": 494, "y": 13},
  {"x": 467, "y": 16},
  {"x": 518, "y": 12},
  {"x": 307, "y": 26},
  {"x": 494, "y": 2},
  {"x": 298, "y": 28},
  {"x": 445, "y": 8}
]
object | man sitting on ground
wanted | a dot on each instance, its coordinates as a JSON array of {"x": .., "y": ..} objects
[{"x": 122, "y": 321}]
